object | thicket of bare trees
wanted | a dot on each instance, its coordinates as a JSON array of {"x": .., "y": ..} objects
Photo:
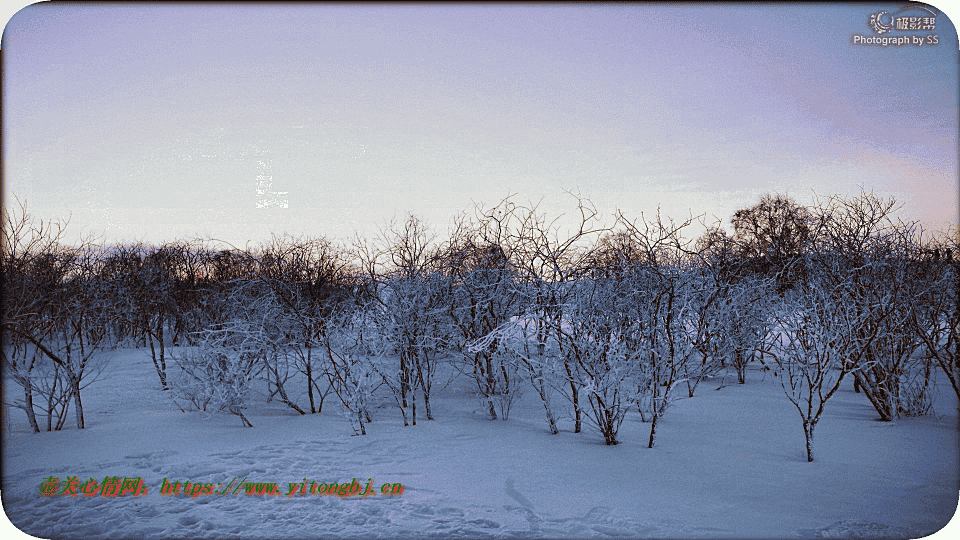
[
  {"x": 739, "y": 315},
  {"x": 936, "y": 314},
  {"x": 306, "y": 279},
  {"x": 56, "y": 317},
  {"x": 886, "y": 268},
  {"x": 852, "y": 312},
  {"x": 406, "y": 310},
  {"x": 548, "y": 262},
  {"x": 484, "y": 294},
  {"x": 231, "y": 353},
  {"x": 601, "y": 320}
]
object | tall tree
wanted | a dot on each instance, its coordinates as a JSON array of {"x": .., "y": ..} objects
[{"x": 773, "y": 234}]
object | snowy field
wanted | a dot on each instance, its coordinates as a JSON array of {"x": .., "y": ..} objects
[{"x": 728, "y": 463}]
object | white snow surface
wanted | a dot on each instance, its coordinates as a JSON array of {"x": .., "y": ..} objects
[{"x": 728, "y": 463}]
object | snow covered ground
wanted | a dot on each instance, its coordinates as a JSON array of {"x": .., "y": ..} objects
[{"x": 728, "y": 463}]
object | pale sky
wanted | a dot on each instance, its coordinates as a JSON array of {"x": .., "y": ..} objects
[{"x": 163, "y": 122}]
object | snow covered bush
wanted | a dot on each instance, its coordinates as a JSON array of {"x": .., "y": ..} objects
[
  {"x": 57, "y": 319},
  {"x": 46, "y": 389},
  {"x": 483, "y": 294},
  {"x": 514, "y": 351},
  {"x": 208, "y": 382},
  {"x": 506, "y": 389},
  {"x": 666, "y": 338},
  {"x": 667, "y": 311},
  {"x": 216, "y": 376},
  {"x": 810, "y": 363},
  {"x": 615, "y": 325},
  {"x": 360, "y": 360},
  {"x": 406, "y": 310},
  {"x": 548, "y": 263},
  {"x": 307, "y": 279},
  {"x": 739, "y": 323},
  {"x": 599, "y": 338}
]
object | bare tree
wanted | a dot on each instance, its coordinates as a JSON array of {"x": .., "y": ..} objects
[
  {"x": 737, "y": 312},
  {"x": 141, "y": 281},
  {"x": 190, "y": 287},
  {"x": 216, "y": 376},
  {"x": 358, "y": 361},
  {"x": 739, "y": 323},
  {"x": 403, "y": 268},
  {"x": 76, "y": 326},
  {"x": 44, "y": 384},
  {"x": 601, "y": 338},
  {"x": 32, "y": 270},
  {"x": 482, "y": 296},
  {"x": 828, "y": 328},
  {"x": 54, "y": 311},
  {"x": 878, "y": 256},
  {"x": 308, "y": 278},
  {"x": 936, "y": 314},
  {"x": 611, "y": 325},
  {"x": 512, "y": 316},
  {"x": 668, "y": 335},
  {"x": 817, "y": 334},
  {"x": 774, "y": 233},
  {"x": 548, "y": 262}
]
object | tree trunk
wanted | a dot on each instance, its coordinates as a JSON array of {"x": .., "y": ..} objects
[
  {"x": 485, "y": 380},
  {"x": 426, "y": 404},
  {"x": 550, "y": 419},
  {"x": 75, "y": 383},
  {"x": 424, "y": 384},
  {"x": 158, "y": 363},
  {"x": 491, "y": 382},
  {"x": 606, "y": 421},
  {"x": 28, "y": 400},
  {"x": 322, "y": 395},
  {"x": 50, "y": 405},
  {"x": 542, "y": 390},
  {"x": 492, "y": 409},
  {"x": 808, "y": 434},
  {"x": 163, "y": 362},
  {"x": 309, "y": 374},
  {"x": 877, "y": 397},
  {"x": 404, "y": 376},
  {"x": 545, "y": 397},
  {"x": 576, "y": 397},
  {"x": 576, "y": 408},
  {"x": 413, "y": 402},
  {"x": 177, "y": 327},
  {"x": 283, "y": 394},
  {"x": 246, "y": 422},
  {"x": 653, "y": 429},
  {"x": 741, "y": 367}
]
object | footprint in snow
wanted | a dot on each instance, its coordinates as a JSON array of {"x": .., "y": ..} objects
[
  {"x": 517, "y": 496},
  {"x": 485, "y": 523}
]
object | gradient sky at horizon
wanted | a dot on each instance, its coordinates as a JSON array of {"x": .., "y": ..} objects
[{"x": 163, "y": 122}]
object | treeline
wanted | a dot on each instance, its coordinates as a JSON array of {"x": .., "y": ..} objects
[{"x": 610, "y": 317}]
